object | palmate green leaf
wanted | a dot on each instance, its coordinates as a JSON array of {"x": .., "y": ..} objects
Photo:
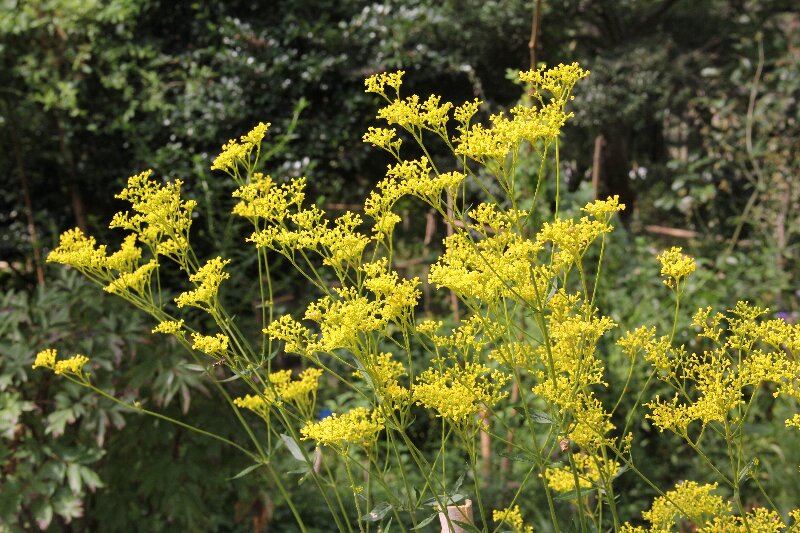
[{"x": 67, "y": 505}]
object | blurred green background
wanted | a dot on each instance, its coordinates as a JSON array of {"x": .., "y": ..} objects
[{"x": 691, "y": 114}]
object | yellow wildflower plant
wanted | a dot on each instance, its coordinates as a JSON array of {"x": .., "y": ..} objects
[
  {"x": 302, "y": 392},
  {"x": 384, "y": 374},
  {"x": 282, "y": 390},
  {"x": 558, "y": 81},
  {"x": 518, "y": 366},
  {"x": 759, "y": 519}
]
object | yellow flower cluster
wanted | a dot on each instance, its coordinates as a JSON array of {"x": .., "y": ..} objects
[
  {"x": 301, "y": 393},
  {"x": 407, "y": 178},
  {"x": 558, "y": 81},
  {"x": 127, "y": 257},
  {"x": 414, "y": 116},
  {"x": 568, "y": 366},
  {"x": 169, "y": 327},
  {"x": 469, "y": 337},
  {"x": 358, "y": 426},
  {"x": 571, "y": 239},
  {"x": 290, "y": 331},
  {"x": 589, "y": 469},
  {"x": 257, "y": 404},
  {"x": 207, "y": 280},
  {"x": 216, "y": 345},
  {"x": 45, "y": 359},
  {"x": 377, "y": 82},
  {"x": 137, "y": 282},
  {"x": 675, "y": 266},
  {"x": 384, "y": 374},
  {"x": 759, "y": 519},
  {"x": 347, "y": 316},
  {"x": 397, "y": 298},
  {"x": 234, "y": 152},
  {"x": 161, "y": 219},
  {"x": 718, "y": 380},
  {"x": 493, "y": 145},
  {"x": 499, "y": 266},
  {"x": 262, "y": 198},
  {"x": 340, "y": 246},
  {"x": 74, "y": 365},
  {"x": 512, "y": 517},
  {"x": 488, "y": 217},
  {"x": 688, "y": 501},
  {"x": 385, "y": 139},
  {"x": 458, "y": 394},
  {"x": 513, "y": 354},
  {"x": 80, "y": 252}
]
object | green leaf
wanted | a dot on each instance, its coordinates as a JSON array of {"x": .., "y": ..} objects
[
  {"x": 573, "y": 494},
  {"x": 459, "y": 482},
  {"x": 748, "y": 470},
  {"x": 43, "y": 514},
  {"x": 517, "y": 457},
  {"x": 246, "y": 471},
  {"x": 74, "y": 478},
  {"x": 540, "y": 417},
  {"x": 427, "y": 521},
  {"x": 377, "y": 513},
  {"x": 90, "y": 478},
  {"x": 294, "y": 448}
]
